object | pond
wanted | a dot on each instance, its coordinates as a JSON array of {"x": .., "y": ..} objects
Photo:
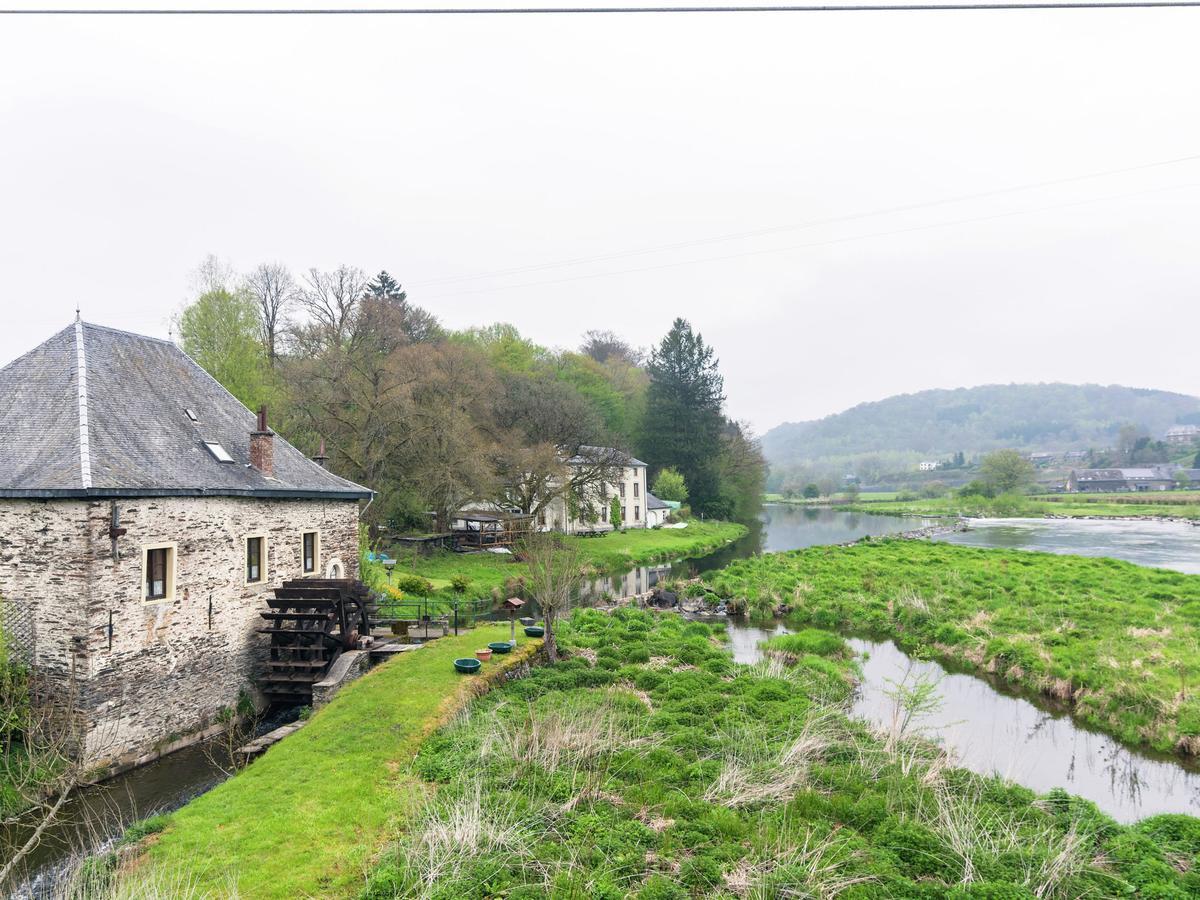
[
  {"x": 991, "y": 731},
  {"x": 1168, "y": 545}
]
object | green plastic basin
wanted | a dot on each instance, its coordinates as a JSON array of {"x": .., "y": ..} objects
[
  {"x": 467, "y": 665},
  {"x": 535, "y": 630},
  {"x": 500, "y": 646}
]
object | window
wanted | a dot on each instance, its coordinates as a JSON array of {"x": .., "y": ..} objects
[
  {"x": 624, "y": 515},
  {"x": 191, "y": 414},
  {"x": 310, "y": 551},
  {"x": 158, "y": 573},
  {"x": 218, "y": 452},
  {"x": 635, "y": 489},
  {"x": 256, "y": 559},
  {"x": 621, "y": 488},
  {"x": 604, "y": 513},
  {"x": 637, "y": 514}
]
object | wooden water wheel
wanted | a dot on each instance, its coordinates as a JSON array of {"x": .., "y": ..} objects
[{"x": 311, "y": 621}]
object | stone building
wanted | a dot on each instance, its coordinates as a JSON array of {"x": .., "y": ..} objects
[{"x": 144, "y": 514}]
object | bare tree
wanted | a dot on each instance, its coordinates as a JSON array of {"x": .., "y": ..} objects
[
  {"x": 555, "y": 578},
  {"x": 533, "y": 477},
  {"x": 274, "y": 290},
  {"x": 213, "y": 274},
  {"x": 332, "y": 298},
  {"x": 605, "y": 345}
]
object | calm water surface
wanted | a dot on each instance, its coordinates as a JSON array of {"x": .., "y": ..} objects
[
  {"x": 992, "y": 732},
  {"x": 1167, "y": 545}
]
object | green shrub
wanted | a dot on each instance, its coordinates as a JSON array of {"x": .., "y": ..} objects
[
  {"x": 413, "y": 584},
  {"x": 809, "y": 640}
]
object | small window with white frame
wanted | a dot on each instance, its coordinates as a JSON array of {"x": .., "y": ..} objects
[
  {"x": 310, "y": 552},
  {"x": 256, "y": 559},
  {"x": 158, "y": 573}
]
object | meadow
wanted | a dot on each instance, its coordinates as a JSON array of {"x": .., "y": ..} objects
[
  {"x": 1119, "y": 643},
  {"x": 1183, "y": 505},
  {"x": 481, "y": 575},
  {"x": 649, "y": 765}
]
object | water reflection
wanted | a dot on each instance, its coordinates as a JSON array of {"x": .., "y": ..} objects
[{"x": 1030, "y": 743}]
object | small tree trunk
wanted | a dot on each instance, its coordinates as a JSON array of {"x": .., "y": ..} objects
[{"x": 550, "y": 642}]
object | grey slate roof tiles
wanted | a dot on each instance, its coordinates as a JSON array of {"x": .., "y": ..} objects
[{"x": 139, "y": 439}]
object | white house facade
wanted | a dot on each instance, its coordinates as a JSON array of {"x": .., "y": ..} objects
[{"x": 628, "y": 486}]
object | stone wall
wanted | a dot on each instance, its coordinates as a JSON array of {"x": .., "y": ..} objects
[
  {"x": 43, "y": 556},
  {"x": 172, "y": 665}
]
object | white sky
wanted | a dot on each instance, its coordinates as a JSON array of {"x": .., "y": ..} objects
[{"x": 440, "y": 148}]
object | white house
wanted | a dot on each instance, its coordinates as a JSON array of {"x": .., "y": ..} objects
[
  {"x": 928, "y": 465},
  {"x": 1182, "y": 435},
  {"x": 657, "y": 511},
  {"x": 628, "y": 485}
]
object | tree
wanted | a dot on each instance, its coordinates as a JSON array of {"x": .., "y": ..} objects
[
  {"x": 221, "y": 331},
  {"x": 555, "y": 578},
  {"x": 683, "y": 421},
  {"x": 1196, "y": 462},
  {"x": 1182, "y": 479},
  {"x": 384, "y": 287},
  {"x": 1006, "y": 472},
  {"x": 1127, "y": 440},
  {"x": 274, "y": 290},
  {"x": 670, "y": 485},
  {"x": 331, "y": 299},
  {"x": 605, "y": 345},
  {"x": 811, "y": 491},
  {"x": 851, "y": 491},
  {"x": 614, "y": 513}
]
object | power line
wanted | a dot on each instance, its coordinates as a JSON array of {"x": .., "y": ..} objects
[
  {"x": 777, "y": 229},
  {"x": 825, "y": 243},
  {"x": 594, "y": 10}
]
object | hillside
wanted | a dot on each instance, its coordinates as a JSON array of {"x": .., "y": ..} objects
[{"x": 939, "y": 423}]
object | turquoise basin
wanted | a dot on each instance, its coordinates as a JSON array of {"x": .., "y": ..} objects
[
  {"x": 535, "y": 630},
  {"x": 500, "y": 646},
  {"x": 467, "y": 665}
]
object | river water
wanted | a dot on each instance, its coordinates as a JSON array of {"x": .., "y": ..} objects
[{"x": 989, "y": 730}]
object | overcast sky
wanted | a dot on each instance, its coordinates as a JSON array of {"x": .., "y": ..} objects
[{"x": 448, "y": 148}]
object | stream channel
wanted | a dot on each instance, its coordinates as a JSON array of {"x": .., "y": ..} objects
[{"x": 990, "y": 730}]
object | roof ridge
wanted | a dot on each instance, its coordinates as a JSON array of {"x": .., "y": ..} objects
[
  {"x": 144, "y": 337},
  {"x": 85, "y": 454}
]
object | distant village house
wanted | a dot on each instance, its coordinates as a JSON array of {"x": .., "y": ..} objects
[
  {"x": 1182, "y": 435},
  {"x": 1146, "y": 478},
  {"x": 145, "y": 515}
]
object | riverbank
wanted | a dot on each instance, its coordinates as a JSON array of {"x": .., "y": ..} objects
[
  {"x": 610, "y": 553},
  {"x": 1133, "y": 507},
  {"x": 1116, "y": 641},
  {"x": 648, "y": 765},
  {"x": 307, "y": 817}
]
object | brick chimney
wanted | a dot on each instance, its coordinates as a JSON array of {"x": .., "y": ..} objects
[
  {"x": 321, "y": 459},
  {"x": 262, "y": 445}
]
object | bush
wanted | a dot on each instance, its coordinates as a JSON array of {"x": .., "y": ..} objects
[
  {"x": 414, "y": 584},
  {"x": 460, "y": 583},
  {"x": 808, "y": 641}
]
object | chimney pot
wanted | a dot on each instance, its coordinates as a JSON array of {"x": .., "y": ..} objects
[
  {"x": 321, "y": 459},
  {"x": 262, "y": 445}
]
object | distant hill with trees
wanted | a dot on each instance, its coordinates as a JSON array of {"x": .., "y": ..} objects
[{"x": 892, "y": 434}]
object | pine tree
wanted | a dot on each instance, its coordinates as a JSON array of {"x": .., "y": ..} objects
[
  {"x": 385, "y": 287},
  {"x": 683, "y": 413}
]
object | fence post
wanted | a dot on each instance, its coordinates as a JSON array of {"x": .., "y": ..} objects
[{"x": 456, "y": 618}]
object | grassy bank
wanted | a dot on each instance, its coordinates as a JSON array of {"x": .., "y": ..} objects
[
  {"x": 610, "y": 553},
  {"x": 650, "y": 766},
  {"x": 1118, "y": 641},
  {"x": 306, "y": 818},
  {"x": 1172, "y": 506}
]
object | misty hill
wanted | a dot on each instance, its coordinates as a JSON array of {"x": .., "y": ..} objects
[{"x": 938, "y": 423}]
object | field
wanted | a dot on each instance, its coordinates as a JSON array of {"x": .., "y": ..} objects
[
  {"x": 1181, "y": 505},
  {"x": 648, "y": 765},
  {"x": 1119, "y": 642},
  {"x": 610, "y": 553},
  {"x": 306, "y": 818}
]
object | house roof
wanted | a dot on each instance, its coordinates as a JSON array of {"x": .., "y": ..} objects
[
  {"x": 1142, "y": 474},
  {"x": 588, "y": 454},
  {"x": 653, "y": 502},
  {"x": 96, "y": 412},
  {"x": 1178, "y": 430}
]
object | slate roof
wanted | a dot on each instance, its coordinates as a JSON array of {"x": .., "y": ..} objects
[
  {"x": 96, "y": 412},
  {"x": 1142, "y": 474},
  {"x": 589, "y": 454},
  {"x": 653, "y": 502}
]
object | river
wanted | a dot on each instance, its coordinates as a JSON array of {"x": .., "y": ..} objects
[{"x": 989, "y": 730}]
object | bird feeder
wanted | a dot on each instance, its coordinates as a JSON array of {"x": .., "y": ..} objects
[{"x": 513, "y": 605}]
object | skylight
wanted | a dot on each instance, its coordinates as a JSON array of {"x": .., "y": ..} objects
[
  {"x": 191, "y": 415},
  {"x": 219, "y": 452}
]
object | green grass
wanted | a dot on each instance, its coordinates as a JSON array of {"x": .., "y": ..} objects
[
  {"x": 1118, "y": 641},
  {"x": 649, "y": 766},
  {"x": 610, "y": 553},
  {"x": 1171, "y": 505},
  {"x": 306, "y": 818}
]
